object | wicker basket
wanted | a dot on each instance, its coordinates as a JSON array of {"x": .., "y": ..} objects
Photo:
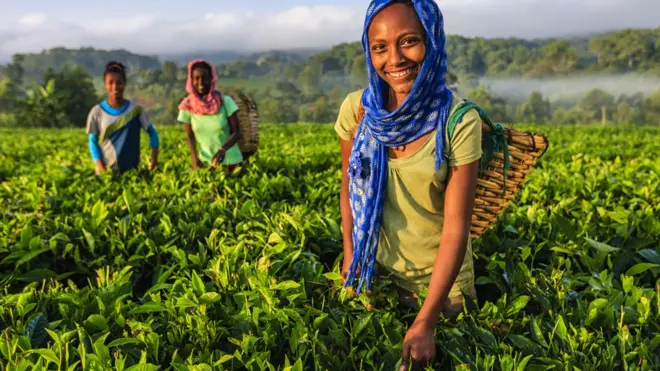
[
  {"x": 248, "y": 119},
  {"x": 524, "y": 148},
  {"x": 494, "y": 191}
]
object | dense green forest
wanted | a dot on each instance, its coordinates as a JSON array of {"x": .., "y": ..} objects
[{"x": 44, "y": 89}]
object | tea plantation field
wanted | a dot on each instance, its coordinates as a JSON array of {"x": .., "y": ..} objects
[{"x": 183, "y": 270}]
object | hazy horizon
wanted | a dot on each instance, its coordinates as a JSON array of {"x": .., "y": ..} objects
[
  {"x": 573, "y": 87},
  {"x": 257, "y": 25}
]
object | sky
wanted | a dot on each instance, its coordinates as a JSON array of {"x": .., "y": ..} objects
[{"x": 167, "y": 26}]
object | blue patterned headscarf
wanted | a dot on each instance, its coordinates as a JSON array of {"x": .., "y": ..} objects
[{"x": 425, "y": 109}]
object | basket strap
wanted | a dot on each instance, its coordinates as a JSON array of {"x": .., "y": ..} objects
[
  {"x": 495, "y": 137},
  {"x": 458, "y": 113}
]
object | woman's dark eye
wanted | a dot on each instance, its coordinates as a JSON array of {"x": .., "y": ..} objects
[
  {"x": 378, "y": 48},
  {"x": 410, "y": 41}
]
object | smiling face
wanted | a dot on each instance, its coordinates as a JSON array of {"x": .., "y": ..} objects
[
  {"x": 114, "y": 85},
  {"x": 396, "y": 46},
  {"x": 201, "y": 79}
]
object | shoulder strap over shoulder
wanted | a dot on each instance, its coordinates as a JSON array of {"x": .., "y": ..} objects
[
  {"x": 495, "y": 137},
  {"x": 454, "y": 119},
  {"x": 457, "y": 116}
]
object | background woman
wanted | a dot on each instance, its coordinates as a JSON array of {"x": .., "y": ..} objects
[
  {"x": 210, "y": 119},
  {"x": 407, "y": 191},
  {"x": 113, "y": 126}
]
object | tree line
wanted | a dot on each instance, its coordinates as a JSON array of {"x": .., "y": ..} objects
[{"x": 289, "y": 88}]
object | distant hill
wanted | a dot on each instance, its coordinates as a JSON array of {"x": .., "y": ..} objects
[
  {"x": 224, "y": 56},
  {"x": 93, "y": 60},
  {"x": 628, "y": 50},
  {"x": 228, "y": 56}
]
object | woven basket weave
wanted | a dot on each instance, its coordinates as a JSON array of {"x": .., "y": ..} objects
[
  {"x": 248, "y": 119},
  {"x": 524, "y": 149}
]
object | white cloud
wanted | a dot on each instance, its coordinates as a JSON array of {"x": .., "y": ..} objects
[
  {"x": 33, "y": 19},
  {"x": 317, "y": 26},
  {"x": 543, "y": 18}
]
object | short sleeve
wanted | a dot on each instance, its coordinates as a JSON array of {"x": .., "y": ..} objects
[
  {"x": 465, "y": 145},
  {"x": 184, "y": 116},
  {"x": 230, "y": 105},
  {"x": 92, "y": 126},
  {"x": 346, "y": 118}
]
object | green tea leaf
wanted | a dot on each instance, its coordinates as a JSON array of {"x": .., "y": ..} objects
[
  {"x": 507, "y": 363},
  {"x": 247, "y": 206},
  {"x": 364, "y": 320},
  {"x": 209, "y": 298},
  {"x": 99, "y": 213},
  {"x": 640, "y": 268},
  {"x": 129, "y": 200},
  {"x": 604, "y": 248},
  {"x": 47, "y": 354},
  {"x": 537, "y": 334},
  {"x": 517, "y": 305},
  {"x": 143, "y": 367},
  {"x": 286, "y": 285},
  {"x": 651, "y": 255},
  {"x": 91, "y": 242},
  {"x": 333, "y": 276},
  {"x": 523, "y": 363},
  {"x": 36, "y": 330},
  {"x": 29, "y": 256},
  {"x": 274, "y": 239},
  {"x": 560, "y": 329},
  {"x": 99, "y": 322},
  {"x": 123, "y": 341},
  {"x": 197, "y": 283},
  {"x": 150, "y": 307}
]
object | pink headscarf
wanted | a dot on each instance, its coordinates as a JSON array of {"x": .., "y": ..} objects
[{"x": 207, "y": 105}]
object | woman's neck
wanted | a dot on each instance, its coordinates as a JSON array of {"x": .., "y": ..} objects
[
  {"x": 116, "y": 103},
  {"x": 394, "y": 99}
]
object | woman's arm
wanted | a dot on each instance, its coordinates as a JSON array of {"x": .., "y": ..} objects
[
  {"x": 95, "y": 151},
  {"x": 192, "y": 145},
  {"x": 419, "y": 342},
  {"x": 234, "y": 136},
  {"x": 459, "y": 204},
  {"x": 154, "y": 143},
  {"x": 345, "y": 207}
]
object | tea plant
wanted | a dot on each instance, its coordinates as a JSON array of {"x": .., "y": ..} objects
[{"x": 198, "y": 270}]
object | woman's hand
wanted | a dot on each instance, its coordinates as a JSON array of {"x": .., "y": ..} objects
[
  {"x": 419, "y": 344},
  {"x": 100, "y": 166},
  {"x": 218, "y": 157},
  {"x": 154, "y": 159}
]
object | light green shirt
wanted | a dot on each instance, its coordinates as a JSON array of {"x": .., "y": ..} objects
[
  {"x": 212, "y": 131},
  {"x": 414, "y": 201}
]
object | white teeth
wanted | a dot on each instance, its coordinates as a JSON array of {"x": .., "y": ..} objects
[{"x": 402, "y": 73}]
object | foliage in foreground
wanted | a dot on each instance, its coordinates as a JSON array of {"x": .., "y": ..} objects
[{"x": 197, "y": 271}]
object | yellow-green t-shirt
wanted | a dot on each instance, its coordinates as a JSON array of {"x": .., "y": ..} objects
[{"x": 414, "y": 201}]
